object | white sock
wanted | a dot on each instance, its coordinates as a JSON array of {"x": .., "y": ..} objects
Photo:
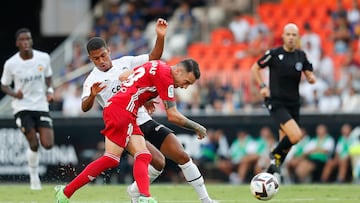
[
  {"x": 153, "y": 174},
  {"x": 33, "y": 162},
  {"x": 195, "y": 179}
]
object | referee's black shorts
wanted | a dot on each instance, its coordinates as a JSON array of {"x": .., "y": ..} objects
[
  {"x": 283, "y": 112},
  {"x": 155, "y": 132}
]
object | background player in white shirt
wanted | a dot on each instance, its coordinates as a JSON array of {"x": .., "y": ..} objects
[
  {"x": 30, "y": 70},
  {"x": 103, "y": 82}
]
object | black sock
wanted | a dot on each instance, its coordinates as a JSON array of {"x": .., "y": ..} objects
[{"x": 283, "y": 148}]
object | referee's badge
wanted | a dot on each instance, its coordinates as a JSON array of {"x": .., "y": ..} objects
[
  {"x": 298, "y": 66},
  {"x": 281, "y": 56}
]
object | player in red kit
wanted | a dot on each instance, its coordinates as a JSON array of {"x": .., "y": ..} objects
[{"x": 154, "y": 78}]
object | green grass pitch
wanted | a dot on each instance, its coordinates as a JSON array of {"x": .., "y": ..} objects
[{"x": 183, "y": 193}]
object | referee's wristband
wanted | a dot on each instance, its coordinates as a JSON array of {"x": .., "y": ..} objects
[{"x": 262, "y": 85}]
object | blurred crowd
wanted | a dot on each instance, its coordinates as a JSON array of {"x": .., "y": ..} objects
[
  {"x": 318, "y": 158},
  {"x": 128, "y": 28}
]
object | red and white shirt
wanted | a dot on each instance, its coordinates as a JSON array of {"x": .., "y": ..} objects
[{"x": 148, "y": 81}]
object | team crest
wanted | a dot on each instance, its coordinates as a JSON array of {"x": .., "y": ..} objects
[
  {"x": 298, "y": 66},
  {"x": 40, "y": 68},
  {"x": 281, "y": 56},
  {"x": 171, "y": 92}
]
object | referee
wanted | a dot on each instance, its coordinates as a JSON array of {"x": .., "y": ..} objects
[{"x": 286, "y": 64}]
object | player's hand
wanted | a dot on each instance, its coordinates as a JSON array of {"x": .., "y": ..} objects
[
  {"x": 161, "y": 27},
  {"x": 97, "y": 87},
  {"x": 50, "y": 97},
  {"x": 311, "y": 78},
  {"x": 150, "y": 106},
  {"x": 19, "y": 94},
  {"x": 201, "y": 132}
]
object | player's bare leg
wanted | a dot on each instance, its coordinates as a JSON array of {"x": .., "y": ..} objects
[{"x": 46, "y": 137}]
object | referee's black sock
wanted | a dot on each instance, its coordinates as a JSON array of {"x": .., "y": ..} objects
[{"x": 282, "y": 149}]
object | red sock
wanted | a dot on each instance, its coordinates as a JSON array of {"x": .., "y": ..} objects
[
  {"x": 141, "y": 174},
  {"x": 91, "y": 171}
]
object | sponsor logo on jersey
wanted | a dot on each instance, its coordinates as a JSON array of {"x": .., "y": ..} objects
[
  {"x": 298, "y": 66},
  {"x": 31, "y": 78},
  {"x": 171, "y": 92}
]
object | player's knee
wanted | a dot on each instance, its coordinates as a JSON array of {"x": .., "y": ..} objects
[
  {"x": 48, "y": 146},
  {"x": 295, "y": 137},
  {"x": 47, "y": 143},
  {"x": 182, "y": 158}
]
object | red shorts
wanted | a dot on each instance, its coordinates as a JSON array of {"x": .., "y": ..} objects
[{"x": 120, "y": 124}]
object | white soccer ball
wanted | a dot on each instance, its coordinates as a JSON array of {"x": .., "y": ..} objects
[{"x": 264, "y": 186}]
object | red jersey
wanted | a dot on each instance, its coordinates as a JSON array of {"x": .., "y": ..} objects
[{"x": 148, "y": 81}]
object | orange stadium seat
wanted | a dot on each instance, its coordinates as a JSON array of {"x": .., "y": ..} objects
[
  {"x": 223, "y": 51},
  {"x": 174, "y": 60},
  {"x": 229, "y": 64},
  {"x": 355, "y": 45},
  {"x": 222, "y": 36},
  {"x": 196, "y": 50},
  {"x": 247, "y": 62}
]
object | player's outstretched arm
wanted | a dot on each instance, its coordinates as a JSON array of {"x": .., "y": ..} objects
[
  {"x": 161, "y": 28},
  {"x": 174, "y": 116}
]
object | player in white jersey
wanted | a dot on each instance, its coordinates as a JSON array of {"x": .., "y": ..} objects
[
  {"x": 103, "y": 82},
  {"x": 30, "y": 70}
]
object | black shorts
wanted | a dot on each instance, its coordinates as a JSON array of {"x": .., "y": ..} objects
[
  {"x": 26, "y": 120},
  {"x": 282, "y": 112},
  {"x": 155, "y": 132}
]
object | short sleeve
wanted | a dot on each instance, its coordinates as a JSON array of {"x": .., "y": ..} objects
[
  {"x": 86, "y": 88},
  {"x": 265, "y": 59},
  {"x": 139, "y": 60},
  {"x": 48, "y": 70},
  {"x": 307, "y": 63},
  {"x": 164, "y": 82},
  {"x": 6, "y": 78}
]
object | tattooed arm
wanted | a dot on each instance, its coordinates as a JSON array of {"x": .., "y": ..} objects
[{"x": 174, "y": 116}]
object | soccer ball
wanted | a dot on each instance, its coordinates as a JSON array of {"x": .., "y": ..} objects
[{"x": 264, "y": 186}]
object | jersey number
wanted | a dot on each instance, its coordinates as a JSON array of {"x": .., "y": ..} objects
[{"x": 136, "y": 75}]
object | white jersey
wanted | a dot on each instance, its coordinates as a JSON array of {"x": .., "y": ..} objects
[
  {"x": 29, "y": 77},
  {"x": 110, "y": 78}
]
